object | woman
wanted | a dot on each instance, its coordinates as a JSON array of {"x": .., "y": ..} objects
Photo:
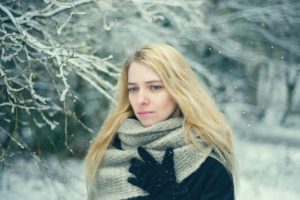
[{"x": 164, "y": 139}]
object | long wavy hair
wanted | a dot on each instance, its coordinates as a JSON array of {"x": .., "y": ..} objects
[{"x": 201, "y": 116}]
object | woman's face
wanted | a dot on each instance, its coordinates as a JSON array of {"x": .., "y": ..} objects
[{"x": 148, "y": 97}]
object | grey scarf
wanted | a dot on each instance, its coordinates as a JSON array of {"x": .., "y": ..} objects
[{"x": 111, "y": 178}]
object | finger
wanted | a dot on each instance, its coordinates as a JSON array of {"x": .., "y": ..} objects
[
  {"x": 134, "y": 181},
  {"x": 146, "y": 156},
  {"x": 168, "y": 157},
  {"x": 135, "y": 170},
  {"x": 137, "y": 182},
  {"x": 136, "y": 162}
]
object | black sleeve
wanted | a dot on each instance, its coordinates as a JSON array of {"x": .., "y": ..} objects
[
  {"x": 117, "y": 143},
  {"x": 210, "y": 182}
]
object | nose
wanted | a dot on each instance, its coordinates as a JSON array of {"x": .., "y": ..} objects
[{"x": 143, "y": 98}]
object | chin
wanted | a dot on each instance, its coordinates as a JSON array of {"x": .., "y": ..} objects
[
  {"x": 151, "y": 122},
  {"x": 148, "y": 122}
]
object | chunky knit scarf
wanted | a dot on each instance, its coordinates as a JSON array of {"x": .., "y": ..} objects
[{"x": 111, "y": 177}]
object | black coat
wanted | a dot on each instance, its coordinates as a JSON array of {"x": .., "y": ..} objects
[{"x": 210, "y": 181}]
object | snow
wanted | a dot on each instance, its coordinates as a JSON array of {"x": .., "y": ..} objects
[
  {"x": 48, "y": 180},
  {"x": 267, "y": 172}
]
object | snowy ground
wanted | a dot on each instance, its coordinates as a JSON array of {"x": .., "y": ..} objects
[
  {"x": 48, "y": 180},
  {"x": 267, "y": 172}
]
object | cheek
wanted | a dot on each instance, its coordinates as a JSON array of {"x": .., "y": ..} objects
[
  {"x": 172, "y": 105},
  {"x": 131, "y": 101},
  {"x": 169, "y": 103}
]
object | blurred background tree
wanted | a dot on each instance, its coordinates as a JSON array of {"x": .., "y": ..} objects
[{"x": 60, "y": 61}]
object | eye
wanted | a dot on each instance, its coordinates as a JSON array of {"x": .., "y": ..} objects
[
  {"x": 155, "y": 87},
  {"x": 133, "y": 89}
]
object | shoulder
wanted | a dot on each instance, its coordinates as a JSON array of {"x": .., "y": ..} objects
[
  {"x": 211, "y": 180},
  {"x": 210, "y": 170},
  {"x": 215, "y": 171},
  {"x": 213, "y": 167}
]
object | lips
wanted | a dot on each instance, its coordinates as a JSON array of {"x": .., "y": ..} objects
[{"x": 145, "y": 113}]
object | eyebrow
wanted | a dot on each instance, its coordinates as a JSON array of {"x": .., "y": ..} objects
[{"x": 147, "y": 82}]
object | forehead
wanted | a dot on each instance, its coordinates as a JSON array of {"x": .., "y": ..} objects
[{"x": 139, "y": 72}]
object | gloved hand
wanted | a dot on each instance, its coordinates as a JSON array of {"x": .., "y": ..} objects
[{"x": 159, "y": 180}]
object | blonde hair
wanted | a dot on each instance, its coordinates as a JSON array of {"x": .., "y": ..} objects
[{"x": 201, "y": 116}]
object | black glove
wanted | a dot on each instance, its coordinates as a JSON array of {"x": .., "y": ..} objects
[{"x": 159, "y": 180}]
